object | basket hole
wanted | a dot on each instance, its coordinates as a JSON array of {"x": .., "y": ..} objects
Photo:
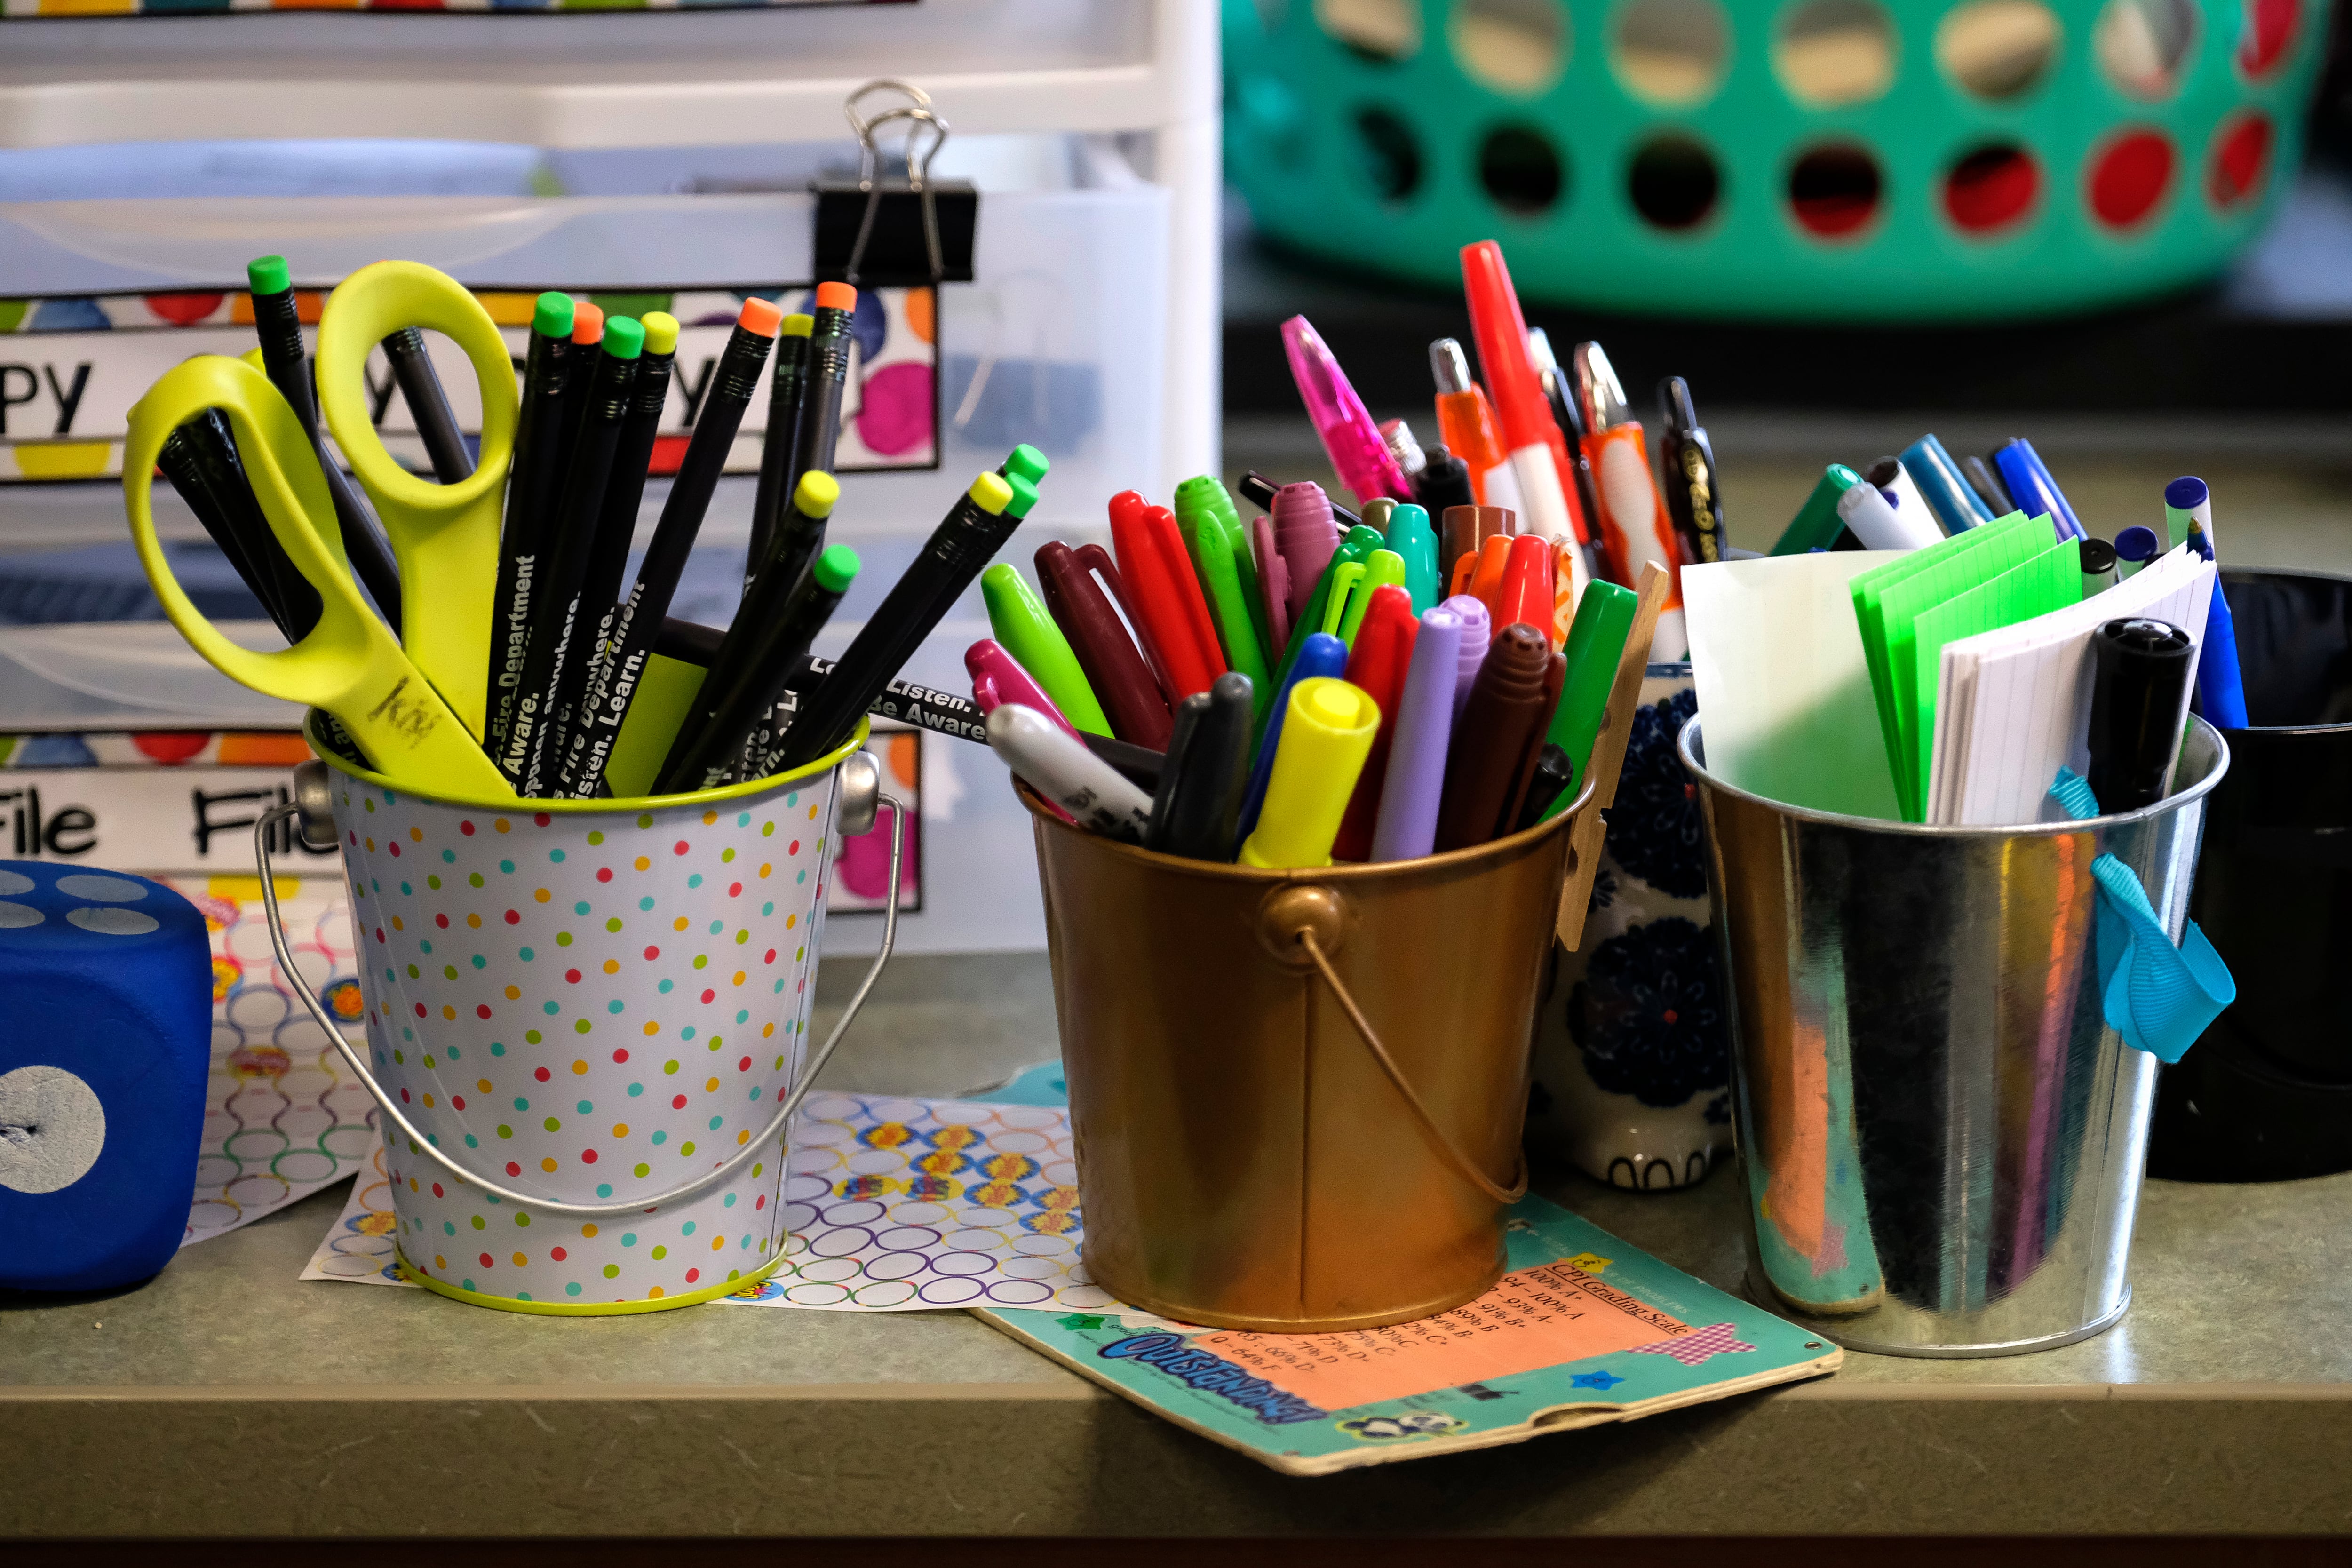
[
  {"x": 1991, "y": 189},
  {"x": 1670, "y": 52},
  {"x": 1835, "y": 52},
  {"x": 1998, "y": 49},
  {"x": 1511, "y": 45},
  {"x": 2131, "y": 178},
  {"x": 2141, "y": 46},
  {"x": 2242, "y": 161},
  {"x": 2266, "y": 29},
  {"x": 1834, "y": 191},
  {"x": 1520, "y": 170},
  {"x": 1673, "y": 182},
  {"x": 1381, "y": 31},
  {"x": 1387, "y": 154}
]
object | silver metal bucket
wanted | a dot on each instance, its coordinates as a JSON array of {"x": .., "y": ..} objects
[{"x": 1941, "y": 1137}]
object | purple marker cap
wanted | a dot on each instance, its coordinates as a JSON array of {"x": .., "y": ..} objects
[
  {"x": 1415, "y": 781},
  {"x": 1306, "y": 535},
  {"x": 1477, "y": 631},
  {"x": 1272, "y": 581}
]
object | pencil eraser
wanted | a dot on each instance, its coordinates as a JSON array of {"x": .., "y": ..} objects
[
  {"x": 661, "y": 332},
  {"x": 992, "y": 491},
  {"x": 817, "y": 494},
  {"x": 587, "y": 323},
  {"x": 1028, "y": 462},
  {"x": 268, "y": 275},
  {"x": 759, "y": 316},
  {"x": 1025, "y": 496},
  {"x": 799, "y": 324},
  {"x": 835, "y": 297},
  {"x": 624, "y": 337},
  {"x": 836, "y": 568},
  {"x": 551, "y": 316}
]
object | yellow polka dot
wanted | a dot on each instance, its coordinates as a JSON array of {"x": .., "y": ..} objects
[
  {"x": 428, "y": 1102},
  {"x": 588, "y": 1230},
  {"x": 514, "y": 992},
  {"x": 767, "y": 1031},
  {"x": 370, "y": 844},
  {"x": 643, "y": 862},
  {"x": 439, "y": 1261},
  {"x": 743, "y": 1137},
  {"x": 502, "y": 825},
  {"x": 812, "y": 814},
  {"x": 678, "y": 924},
  {"x": 548, "y": 1164},
  {"x": 790, "y": 920},
  {"x": 520, "y": 1261},
  {"x": 652, "y": 1027},
  {"x": 483, "y": 1084},
  {"x": 712, "y": 1086},
  {"x": 620, "y": 1130},
  {"x": 474, "y": 920},
  {"x": 654, "y": 1294},
  {"x": 412, "y": 1183},
  {"x": 416, "y": 835},
  {"x": 541, "y": 894},
  {"x": 611, "y": 966},
  {"x": 709, "y": 818},
  {"x": 448, "y": 1011},
  {"x": 739, "y": 977},
  {"x": 765, "y": 868},
  {"x": 396, "y": 925},
  {"x": 717, "y": 1241}
]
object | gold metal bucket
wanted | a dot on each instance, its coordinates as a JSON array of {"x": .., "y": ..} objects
[{"x": 1297, "y": 1095}]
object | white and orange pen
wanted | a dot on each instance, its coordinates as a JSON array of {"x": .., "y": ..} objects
[{"x": 1634, "y": 526}]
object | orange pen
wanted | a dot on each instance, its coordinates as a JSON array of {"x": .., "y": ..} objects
[
  {"x": 1634, "y": 527},
  {"x": 1466, "y": 423}
]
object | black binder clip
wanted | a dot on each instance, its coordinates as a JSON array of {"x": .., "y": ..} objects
[{"x": 895, "y": 232}]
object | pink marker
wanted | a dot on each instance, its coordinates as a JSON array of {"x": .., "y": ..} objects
[
  {"x": 1306, "y": 535},
  {"x": 1350, "y": 438},
  {"x": 1477, "y": 631},
  {"x": 998, "y": 678},
  {"x": 1272, "y": 581}
]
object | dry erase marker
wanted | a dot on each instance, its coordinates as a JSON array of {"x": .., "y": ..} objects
[
  {"x": 786, "y": 384},
  {"x": 2099, "y": 566},
  {"x": 2139, "y": 688},
  {"x": 1547, "y": 786},
  {"x": 2134, "y": 547},
  {"x": 1946, "y": 490},
  {"x": 1063, "y": 771},
  {"x": 1817, "y": 525},
  {"x": 1894, "y": 481},
  {"x": 278, "y": 321},
  {"x": 531, "y": 480},
  {"x": 2220, "y": 691},
  {"x": 1864, "y": 509},
  {"x": 1987, "y": 484},
  {"x": 2035, "y": 491},
  {"x": 639, "y": 623}
]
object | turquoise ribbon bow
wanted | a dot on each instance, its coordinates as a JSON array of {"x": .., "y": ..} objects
[{"x": 2158, "y": 997}]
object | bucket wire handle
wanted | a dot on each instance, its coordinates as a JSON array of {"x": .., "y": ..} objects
[
  {"x": 1462, "y": 1162},
  {"x": 702, "y": 1183}
]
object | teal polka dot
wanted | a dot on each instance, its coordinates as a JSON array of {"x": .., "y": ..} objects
[
  {"x": 612, "y": 1006},
  {"x": 522, "y": 1104},
  {"x": 628, "y": 1238},
  {"x": 716, "y": 1122},
  {"x": 572, "y": 1288},
  {"x": 604, "y": 1190},
  {"x": 523, "y": 1295},
  {"x": 686, "y": 1229},
  {"x": 556, "y": 855},
  {"x": 666, "y": 986},
  {"x": 768, "y": 909},
  {"x": 480, "y": 962},
  {"x": 743, "y": 1015},
  {"x": 687, "y": 1032},
  {"x": 406, "y": 890},
  {"x": 742, "y": 819},
  {"x": 447, "y": 1228},
  {"x": 497, "y": 1049},
  {"x": 453, "y": 1053},
  {"x": 695, "y": 880},
  {"x": 635, "y": 1090},
  {"x": 509, "y": 865},
  {"x": 465, "y": 1284},
  {"x": 718, "y": 926},
  {"x": 729, "y": 1202},
  {"x": 580, "y": 908},
  {"x": 646, "y": 903},
  {"x": 801, "y": 877},
  {"x": 448, "y": 857},
  {"x": 586, "y": 1108},
  {"x": 661, "y": 1138},
  {"x": 472, "y": 1142},
  {"x": 528, "y": 955}
]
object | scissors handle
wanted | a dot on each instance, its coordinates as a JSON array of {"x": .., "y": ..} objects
[
  {"x": 348, "y": 663},
  {"x": 445, "y": 537}
]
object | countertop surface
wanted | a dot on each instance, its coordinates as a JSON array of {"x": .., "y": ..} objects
[{"x": 224, "y": 1398}]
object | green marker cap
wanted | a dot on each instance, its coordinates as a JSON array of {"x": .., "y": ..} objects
[
  {"x": 624, "y": 337},
  {"x": 550, "y": 317},
  {"x": 268, "y": 275},
  {"x": 1027, "y": 462},
  {"x": 1025, "y": 496},
  {"x": 836, "y": 568}
]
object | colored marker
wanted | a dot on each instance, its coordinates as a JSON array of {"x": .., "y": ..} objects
[
  {"x": 2221, "y": 689},
  {"x": 1596, "y": 642},
  {"x": 1377, "y": 663},
  {"x": 2134, "y": 547},
  {"x": 1987, "y": 484},
  {"x": 1413, "y": 539},
  {"x": 1204, "y": 783},
  {"x": 1945, "y": 489},
  {"x": 1414, "y": 781},
  {"x": 2028, "y": 481},
  {"x": 1501, "y": 728},
  {"x": 1095, "y": 794},
  {"x": 1817, "y": 525},
  {"x": 1206, "y": 494},
  {"x": 1538, "y": 452},
  {"x": 1867, "y": 514},
  {"x": 1327, "y": 734},
  {"x": 1443, "y": 483},
  {"x": 1022, "y": 623},
  {"x": 1526, "y": 595},
  {"x": 1476, "y": 636},
  {"x": 1319, "y": 658},
  {"x": 1115, "y": 668},
  {"x": 1306, "y": 534},
  {"x": 1157, "y": 574}
]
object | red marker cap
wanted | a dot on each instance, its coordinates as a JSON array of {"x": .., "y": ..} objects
[
  {"x": 1528, "y": 589},
  {"x": 1502, "y": 335}
]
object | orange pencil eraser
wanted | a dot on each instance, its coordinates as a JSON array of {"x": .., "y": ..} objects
[
  {"x": 761, "y": 316},
  {"x": 587, "y": 323},
  {"x": 835, "y": 297}
]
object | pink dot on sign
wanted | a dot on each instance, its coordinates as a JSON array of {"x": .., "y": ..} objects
[
  {"x": 541, "y": 818},
  {"x": 621, "y": 1055},
  {"x": 441, "y": 920},
  {"x": 678, "y": 848},
  {"x": 466, "y": 829},
  {"x": 513, "y": 1169},
  {"x": 514, "y": 918},
  {"x": 540, "y": 1074},
  {"x": 481, "y": 1009},
  {"x": 604, "y": 873},
  {"x": 588, "y": 1156},
  {"x": 895, "y": 416},
  {"x": 558, "y": 1254}
]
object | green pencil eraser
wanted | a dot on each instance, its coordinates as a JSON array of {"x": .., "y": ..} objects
[
  {"x": 836, "y": 568},
  {"x": 268, "y": 275},
  {"x": 624, "y": 337},
  {"x": 1028, "y": 462},
  {"x": 1025, "y": 496},
  {"x": 551, "y": 317}
]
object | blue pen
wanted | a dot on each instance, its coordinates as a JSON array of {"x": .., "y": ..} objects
[
  {"x": 2029, "y": 483},
  {"x": 2220, "y": 691},
  {"x": 1321, "y": 654},
  {"x": 1945, "y": 489}
]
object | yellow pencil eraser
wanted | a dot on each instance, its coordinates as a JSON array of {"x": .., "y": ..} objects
[{"x": 992, "y": 492}]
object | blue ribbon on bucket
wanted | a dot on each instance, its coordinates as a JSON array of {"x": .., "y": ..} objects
[{"x": 2158, "y": 997}]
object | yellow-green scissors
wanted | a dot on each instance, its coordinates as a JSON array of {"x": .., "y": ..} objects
[{"x": 348, "y": 664}]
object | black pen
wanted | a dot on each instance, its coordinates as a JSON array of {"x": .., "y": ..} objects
[
  {"x": 531, "y": 477},
  {"x": 743, "y": 684},
  {"x": 1694, "y": 501},
  {"x": 786, "y": 384},
  {"x": 2139, "y": 694},
  {"x": 1568, "y": 413},
  {"x": 1212, "y": 775},
  {"x": 428, "y": 405},
  {"x": 639, "y": 620},
  {"x": 1986, "y": 483},
  {"x": 949, "y": 563},
  {"x": 534, "y": 747},
  {"x": 278, "y": 321},
  {"x": 1554, "y": 772},
  {"x": 1185, "y": 724},
  {"x": 1443, "y": 482}
]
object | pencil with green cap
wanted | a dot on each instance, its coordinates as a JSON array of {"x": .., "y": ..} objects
[{"x": 530, "y": 485}]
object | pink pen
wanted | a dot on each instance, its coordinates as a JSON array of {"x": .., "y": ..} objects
[
  {"x": 997, "y": 679},
  {"x": 1350, "y": 438}
]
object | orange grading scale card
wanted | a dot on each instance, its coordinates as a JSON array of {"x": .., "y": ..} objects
[{"x": 1533, "y": 1317}]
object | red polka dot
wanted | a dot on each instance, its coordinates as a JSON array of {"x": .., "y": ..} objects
[
  {"x": 761, "y": 1202},
  {"x": 353, "y": 836},
  {"x": 795, "y": 848},
  {"x": 604, "y": 873},
  {"x": 678, "y": 1104},
  {"x": 378, "y": 933},
  {"x": 420, "y": 1009},
  {"x": 621, "y": 1055},
  {"x": 395, "y": 844},
  {"x": 678, "y": 848},
  {"x": 485, "y": 1260},
  {"x": 588, "y": 1156},
  {"x": 541, "y": 818},
  {"x": 2130, "y": 177},
  {"x": 540, "y": 1074},
  {"x": 707, "y": 995},
  {"x": 572, "y": 975},
  {"x": 692, "y": 1275},
  {"x": 514, "y": 917},
  {"x": 466, "y": 829},
  {"x": 771, "y": 958},
  {"x": 743, "y": 1065},
  {"x": 437, "y": 1186},
  {"x": 456, "y": 1103},
  {"x": 734, "y": 889},
  {"x": 441, "y": 920},
  {"x": 481, "y": 1010},
  {"x": 558, "y": 1254},
  {"x": 403, "y": 1093},
  {"x": 513, "y": 1169},
  {"x": 2242, "y": 158},
  {"x": 652, "y": 953}
]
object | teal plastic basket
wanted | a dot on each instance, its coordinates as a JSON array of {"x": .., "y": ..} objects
[{"x": 1878, "y": 160}]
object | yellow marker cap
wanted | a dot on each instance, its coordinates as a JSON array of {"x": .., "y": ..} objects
[
  {"x": 661, "y": 332},
  {"x": 798, "y": 325},
  {"x": 1327, "y": 734},
  {"x": 992, "y": 493},
  {"x": 817, "y": 495}
]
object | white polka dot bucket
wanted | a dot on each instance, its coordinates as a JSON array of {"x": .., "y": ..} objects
[{"x": 587, "y": 1023}]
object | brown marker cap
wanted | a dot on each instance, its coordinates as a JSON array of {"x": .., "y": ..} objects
[{"x": 1501, "y": 726}]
